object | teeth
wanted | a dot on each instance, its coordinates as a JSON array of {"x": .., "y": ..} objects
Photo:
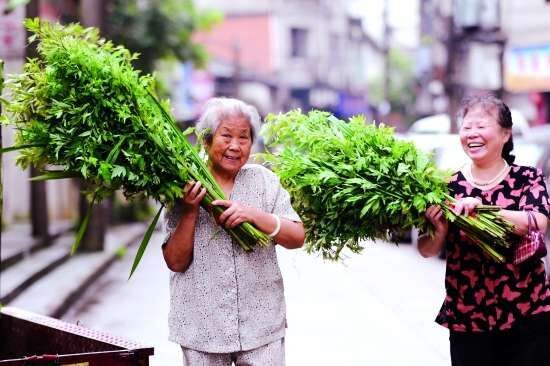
[{"x": 475, "y": 144}]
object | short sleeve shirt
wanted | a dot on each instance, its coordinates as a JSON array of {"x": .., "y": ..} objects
[
  {"x": 229, "y": 300},
  {"x": 483, "y": 295}
]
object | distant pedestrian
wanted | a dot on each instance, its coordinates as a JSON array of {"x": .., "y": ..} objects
[
  {"x": 497, "y": 314},
  {"x": 227, "y": 306}
]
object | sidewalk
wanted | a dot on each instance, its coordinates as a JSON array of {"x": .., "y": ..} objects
[{"x": 47, "y": 280}]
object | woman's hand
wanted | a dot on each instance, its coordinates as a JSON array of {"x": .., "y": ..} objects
[
  {"x": 435, "y": 215},
  {"x": 430, "y": 246},
  {"x": 193, "y": 193},
  {"x": 235, "y": 213},
  {"x": 466, "y": 206}
]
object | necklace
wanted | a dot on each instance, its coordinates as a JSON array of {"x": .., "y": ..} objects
[{"x": 495, "y": 179}]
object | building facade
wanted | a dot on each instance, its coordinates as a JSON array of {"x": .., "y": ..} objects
[{"x": 292, "y": 53}]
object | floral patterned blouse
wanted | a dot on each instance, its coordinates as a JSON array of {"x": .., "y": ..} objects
[
  {"x": 229, "y": 300},
  {"x": 483, "y": 295}
]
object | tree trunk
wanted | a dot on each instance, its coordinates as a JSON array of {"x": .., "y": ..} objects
[
  {"x": 39, "y": 202},
  {"x": 91, "y": 15},
  {"x": 94, "y": 237}
]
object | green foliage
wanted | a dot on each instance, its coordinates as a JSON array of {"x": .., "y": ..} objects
[
  {"x": 355, "y": 181},
  {"x": 121, "y": 252},
  {"x": 401, "y": 77},
  {"x": 12, "y": 4},
  {"x": 351, "y": 181},
  {"x": 83, "y": 107},
  {"x": 159, "y": 29}
]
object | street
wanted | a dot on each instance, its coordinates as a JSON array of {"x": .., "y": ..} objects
[{"x": 372, "y": 309}]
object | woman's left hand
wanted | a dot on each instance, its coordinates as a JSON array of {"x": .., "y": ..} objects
[
  {"x": 234, "y": 215},
  {"x": 466, "y": 205}
]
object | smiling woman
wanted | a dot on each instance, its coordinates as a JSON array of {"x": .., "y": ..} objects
[
  {"x": 227, "y": 304},
  {"x": 490, "y": 307}
]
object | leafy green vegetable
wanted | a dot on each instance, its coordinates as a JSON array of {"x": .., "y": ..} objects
[
  {"x": 82, "y": 106},
  {"x": 354, "y": 181}
]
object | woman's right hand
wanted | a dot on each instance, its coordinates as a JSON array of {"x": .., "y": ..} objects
[
  {"x": 435, "y": 215},
  {"x": 193, "y": 193}
]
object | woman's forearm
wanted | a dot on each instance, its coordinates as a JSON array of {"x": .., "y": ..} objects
[
  {"x": 291, "y": 235},
  {"x": 178, "y": 251},
  {"x": 519, "y": 220}
]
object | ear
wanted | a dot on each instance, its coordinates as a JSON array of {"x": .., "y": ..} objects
[
  {"x": 207, "y": 140},
  {"x": 507, "y": 134}
]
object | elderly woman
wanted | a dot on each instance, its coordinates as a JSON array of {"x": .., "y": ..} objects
[
  {"x": 227, "y": 306},
  {"x": 497, "y": 314}
]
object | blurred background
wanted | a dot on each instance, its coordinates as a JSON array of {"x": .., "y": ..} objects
[{"x": 405, "y": 63}]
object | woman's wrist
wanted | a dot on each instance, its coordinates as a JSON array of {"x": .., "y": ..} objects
[
  {"x": 190, "y": 212},
  {"x": 277, "y": 228}
]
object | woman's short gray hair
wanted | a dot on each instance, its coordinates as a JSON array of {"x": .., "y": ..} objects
[{"x": 218, "y": 109}]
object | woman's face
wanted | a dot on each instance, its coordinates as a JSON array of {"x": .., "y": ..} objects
[
  {"x": 231, "y": 144},
  {"x": 481, "y": 136}
]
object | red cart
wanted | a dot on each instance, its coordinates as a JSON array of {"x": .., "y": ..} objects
[{"x": 31, "y": 339}]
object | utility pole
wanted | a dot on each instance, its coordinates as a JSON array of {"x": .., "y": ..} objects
[
  {"x": 451, "y": 85},
  {"x": 386, "y": 46},
  {"x": 39, "y": 202},
  {"x": 385, "y": 108}
]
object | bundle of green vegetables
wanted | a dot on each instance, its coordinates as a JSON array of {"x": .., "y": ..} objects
[
  {"x": 81, "y": 107},
  {"x": 354, "y": 181}
]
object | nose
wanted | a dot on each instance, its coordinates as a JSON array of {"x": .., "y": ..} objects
[
  {"x": 234, "y": 144},
  {"x": 472, "y": 133}
]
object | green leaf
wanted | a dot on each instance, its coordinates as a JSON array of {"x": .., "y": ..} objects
[
  {"x": 402, "y": 169},
  {"x": 52, "y": 174},
  {"x": 118, "y": 171},
  {"x": 145, "y": 242},
  {"x": 19, "y": 147}
]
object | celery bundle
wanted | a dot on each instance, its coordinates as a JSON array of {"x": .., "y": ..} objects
[
  {"x": 82, "y": 107},
  {"x": 351, "y": 181}
]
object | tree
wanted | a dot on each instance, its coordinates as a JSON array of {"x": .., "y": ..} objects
[
  {"x": 400, "y": 89},
  {"x": 159, "y": 29}
]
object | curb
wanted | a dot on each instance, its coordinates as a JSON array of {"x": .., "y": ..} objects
[{"x": 72, "y": 297}]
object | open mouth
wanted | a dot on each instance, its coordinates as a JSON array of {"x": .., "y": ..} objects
[
  {"x": 233, "y": 158},
  {"x": 475, "y": 145}
]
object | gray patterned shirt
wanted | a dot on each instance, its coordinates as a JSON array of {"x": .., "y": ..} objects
[{"x": 229, "y": 300}]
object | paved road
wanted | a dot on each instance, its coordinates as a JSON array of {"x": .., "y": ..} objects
[{"x": 373, "y": 309}]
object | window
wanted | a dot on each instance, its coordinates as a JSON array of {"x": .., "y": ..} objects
[{"x": 298, "y": 42}]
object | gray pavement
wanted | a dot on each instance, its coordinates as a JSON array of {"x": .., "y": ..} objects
[
  {"x": 48, "y": 280},
  {"x": 372, "y": 309}
]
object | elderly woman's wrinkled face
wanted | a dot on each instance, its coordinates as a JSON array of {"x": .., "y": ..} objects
[{"x": 231, "y": 145}]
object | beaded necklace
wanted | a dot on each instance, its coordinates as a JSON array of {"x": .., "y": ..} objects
[{"x": 495, "y": 179}]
